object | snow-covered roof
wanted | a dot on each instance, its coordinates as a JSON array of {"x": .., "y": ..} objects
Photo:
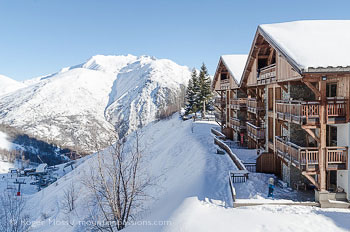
[
  {"x": 311, "y": 43},
  {"x": 41, "y": 168},
  {"x": 235, "y": 65}
]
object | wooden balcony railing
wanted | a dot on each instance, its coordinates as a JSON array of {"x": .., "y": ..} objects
[
  {"x": 306, "y": 158},
  {"x": 309, "y": 112},
  {"x": 225, "y": 84},
  {"x": 267, "y": 75},
  {"x": 256, "y": 133},
  {"x": 237, "y": 124},
  {"x": 254, "y": 106},
  {"x": 220, "y": 102},
  {"x": 239, "y": 103},
  {"x": 337, "y": 157}
]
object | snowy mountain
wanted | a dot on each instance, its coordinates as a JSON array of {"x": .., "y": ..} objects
[
  {"x": 8, "y": 85},
  {"x": 79, "y": 105}
]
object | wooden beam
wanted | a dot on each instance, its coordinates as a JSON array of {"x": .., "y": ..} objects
[
  {"x": 313, "y": 135},
  {"x": 262, "y": 46},
  {"x": 309, "y": 127},
  {"x": 269, "y": 59},
  {"x": 283, "y": 86},
  {"x": 263, "y": 56},
  {"x": 311, "y": 79},
  {"x": 313, "y": 88},
  {"x": 311, "y": 179},
  {"x": 323, "y": 137}
]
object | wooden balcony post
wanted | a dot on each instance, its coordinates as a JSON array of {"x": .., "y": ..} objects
[
  {"x": 347, "y": 110},
  {"x": 323, "y": 136}
]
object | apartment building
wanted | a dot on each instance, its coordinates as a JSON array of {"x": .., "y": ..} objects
[
  {"x": 296, "y": 81},
  {"x": 231, "y": 101}
]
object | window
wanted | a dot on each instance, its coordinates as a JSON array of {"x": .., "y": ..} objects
[
  {"x": 223, "y": 76},
  {"x": 331, "y": 90}
]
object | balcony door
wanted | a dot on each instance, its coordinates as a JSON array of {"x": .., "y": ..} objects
[
  {"x": 331, "y": 136},
  {"x": 331, "y": 89}
]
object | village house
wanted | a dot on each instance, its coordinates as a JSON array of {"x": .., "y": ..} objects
[{"x": 292, "y": 101}]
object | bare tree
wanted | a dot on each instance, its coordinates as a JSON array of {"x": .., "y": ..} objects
[
  {"x": 12, "y": 216},
  {"x": 117, "y": 185},
  {"x": 70, "y": 196}
]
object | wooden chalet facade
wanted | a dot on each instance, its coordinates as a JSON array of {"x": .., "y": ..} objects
[
  {"x": 231, "y": 101},
  {"x": 297, "y": 110}
]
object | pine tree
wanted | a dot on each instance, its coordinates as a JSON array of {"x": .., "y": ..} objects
[
  {"x": 204, "y": 93},
  {"x": 192, "y": 94}
]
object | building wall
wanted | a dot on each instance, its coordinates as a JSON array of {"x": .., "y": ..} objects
[{"x": 343, "y": 176}]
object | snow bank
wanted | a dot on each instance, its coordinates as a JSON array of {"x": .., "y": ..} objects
[
  {"x": 195, "y": 215},
  {"x": 4, "y": 143}
]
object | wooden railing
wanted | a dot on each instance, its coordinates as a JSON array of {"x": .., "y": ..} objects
[
  {"x": 237, "y": 124},
  {"x": 337, "y": 156},
  {"x": 254, "y": 106},
  {"x": 306, "y": 158},
  {"x": 337, "y": 110},
  {"x": 267, "y": 74},
  {"x": 239, "y": 103},
  {"x": 309, "y": 112},
  {"x": 220, "y": 102},
  {"x": 225, "y": 84},
  {"x": 256, "y": 133}
]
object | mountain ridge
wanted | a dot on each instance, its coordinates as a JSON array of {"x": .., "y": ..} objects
[{"x": 81, "y": 104}]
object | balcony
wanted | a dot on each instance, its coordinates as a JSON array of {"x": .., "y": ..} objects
[
  {"x": 220, "y": 118},
  {"x": 306, "y": 158},
  {"x": 225, "y": 84},
  {"x": 302, "y": 112},
  {"x": 254, "y": 132},
  {"x": 238, "y": 104},
  {"x": 254, "y": 106},
  {"x": 220, "y": 102},
  {"x": 237, "y": 124},
  {"x": 267, "y": 75}
]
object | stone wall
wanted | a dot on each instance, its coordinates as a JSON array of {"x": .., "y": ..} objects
[
  {"x": 297, "y": 135},
  {"x": 301, "y": 92},
  {"x": 296, "y": 176},
  {"x": 286, "y": 173}
]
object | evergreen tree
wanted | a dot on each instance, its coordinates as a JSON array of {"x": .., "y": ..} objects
[
  {"x": 204, "y": 92},
  {"x": 192, "y": 94}
]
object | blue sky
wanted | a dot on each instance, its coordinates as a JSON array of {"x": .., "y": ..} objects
[{"x": 39, "y": 37}]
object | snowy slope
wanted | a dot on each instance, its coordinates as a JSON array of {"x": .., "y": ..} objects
[
  {"x": 191, "y": 194},
  {"x": 75, "y": 106},
  {"x": 8, "y": 85},
  {"x": 142, "y": 88},
  {"x": 184, "y": 163}
]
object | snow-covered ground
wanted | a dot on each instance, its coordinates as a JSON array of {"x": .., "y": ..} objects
[
  {"x": 8, "y": 85},
  {"x": 191, "y": 194},
  {"x": 5, "y": 144}
]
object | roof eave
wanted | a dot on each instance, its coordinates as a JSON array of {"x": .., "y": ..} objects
[{"x": 290, "y": 60}]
